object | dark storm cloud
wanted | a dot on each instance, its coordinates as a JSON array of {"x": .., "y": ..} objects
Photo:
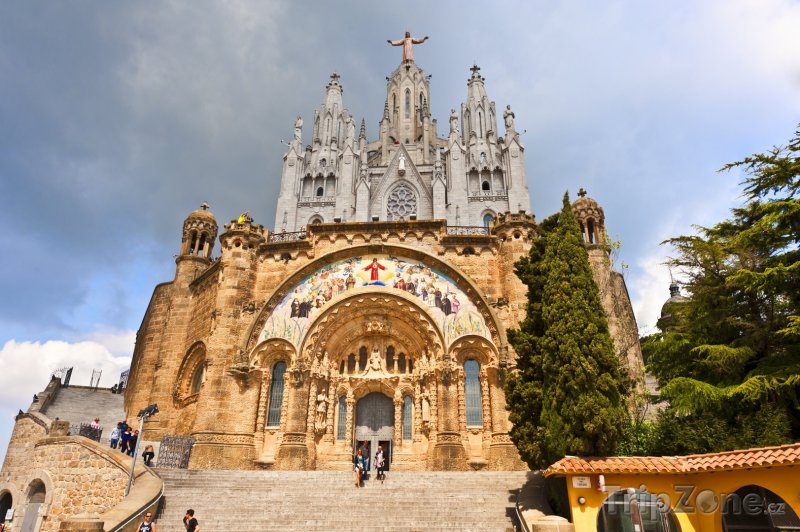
[{"x": 119, "y": 118}]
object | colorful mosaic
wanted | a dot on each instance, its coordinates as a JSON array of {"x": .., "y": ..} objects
[{"x": 452, "y": 311}]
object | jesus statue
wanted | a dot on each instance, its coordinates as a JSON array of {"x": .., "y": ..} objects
[{"x": 408, "y": 43}]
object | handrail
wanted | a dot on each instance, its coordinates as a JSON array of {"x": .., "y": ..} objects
[
  {"x": 467, "y": 230},
  {"x": 522, "y": 524},
  {"x": 287, "y": 237},
  {"x": 138, "y": 514}
]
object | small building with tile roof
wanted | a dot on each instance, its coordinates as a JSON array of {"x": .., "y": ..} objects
[{"x": 741, "y": 490}]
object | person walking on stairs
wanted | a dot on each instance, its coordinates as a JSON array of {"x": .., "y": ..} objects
[
  {"x": 380, "y": 462},
  {"x": 147, "y": 525},
  {"x": 358, "y": 462},
  {"x": 190, "y": 522}
]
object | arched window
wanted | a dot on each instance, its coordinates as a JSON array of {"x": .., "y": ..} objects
[
  {"x": 591, "y": 234},
  {"x": 315, "y": 220},
  {"x": 37, "y": 492},
  {"x": 341, "y": 419},
  {"x": 407, "y": 417},
  {"x": 320, "y": 192},
  {"x": 472, "y": 393},
  {"x": 632, "y": 509},
  {"x": 480, "y": 124},
  {"x": 276, "y": 395},
  {"x": 486, "y": 186},
  {"x": 201, "y": 245},
  {"x": 193, "y": 243},
  {"x": 488, "y": 218},
  {"x": 419, "y": 111},
  {"x": 408, "y": 103},
  {"x": 362, "y": 358},
  {"x": 197, "y": 379},
  {"x": 351, "y": 363},
  {"x": 755, "y": 508},
  {"x": 394, "y": 103},
  {"x": 341, "y": 367},
  {"x": 401, "y": 363}
]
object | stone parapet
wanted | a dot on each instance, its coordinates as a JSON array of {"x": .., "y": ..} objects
[{"x": 83, "y": 482}]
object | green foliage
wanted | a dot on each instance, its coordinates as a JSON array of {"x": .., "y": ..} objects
[
  {"x": 731, "y": 352},
  {"x": 568, "y": 395}
]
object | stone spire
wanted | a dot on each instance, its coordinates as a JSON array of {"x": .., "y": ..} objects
[{"x": 478, "y": 114}]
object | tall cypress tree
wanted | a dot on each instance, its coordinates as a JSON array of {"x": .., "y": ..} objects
[{"x": 569, "y": 393}]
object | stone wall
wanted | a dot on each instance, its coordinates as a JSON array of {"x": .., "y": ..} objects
[{"x": 82, "y": 479}]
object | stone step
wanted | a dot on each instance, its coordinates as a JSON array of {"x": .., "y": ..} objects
[
  {"x": 324, "y": 500},
  {"x": 82, "y": 404}
]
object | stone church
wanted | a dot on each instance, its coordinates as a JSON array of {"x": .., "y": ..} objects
[{"x": 376, "y": 308}]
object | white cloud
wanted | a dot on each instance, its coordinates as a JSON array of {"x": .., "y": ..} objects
[{"x": 118, "y": 342}]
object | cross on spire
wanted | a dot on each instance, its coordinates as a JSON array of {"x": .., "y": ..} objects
[
  {"x": 475, "y": 70},
  {"x": 581, "y": 192},
  {"x": 204, "y": 205}
]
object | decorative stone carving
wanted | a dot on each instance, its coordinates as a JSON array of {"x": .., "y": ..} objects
[{"x": 322, "y": 409}]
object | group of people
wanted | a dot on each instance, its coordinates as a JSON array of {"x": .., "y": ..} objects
[
  {"x": 361, "y": 463},
  {"x": 189, "y": 521},
  {"x": 124, "y": 438}
]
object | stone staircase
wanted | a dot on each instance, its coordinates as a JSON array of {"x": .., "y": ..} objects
[
  {"x": 81, "y": 404},
  {"x": 234, "y": 501}
]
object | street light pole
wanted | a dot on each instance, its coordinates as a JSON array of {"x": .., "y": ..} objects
[{"x": 144, "y": 413}]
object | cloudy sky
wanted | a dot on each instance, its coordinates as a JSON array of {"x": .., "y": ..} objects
[{"x": 118, "y": 118}]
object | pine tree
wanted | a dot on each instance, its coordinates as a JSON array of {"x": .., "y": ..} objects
[
  {"x": 731, "y": 353},
  {"x": 568, "y": 395}
]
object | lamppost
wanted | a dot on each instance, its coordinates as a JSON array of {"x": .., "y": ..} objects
[{"x": 143, "y": 413}]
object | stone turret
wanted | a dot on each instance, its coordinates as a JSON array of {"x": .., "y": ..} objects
[
  {"x": 199, "y": 233},
  {"x": 591, "y": 219},
  {"x": 613, "y": 292},
  {"x": 197, "y": 244}
]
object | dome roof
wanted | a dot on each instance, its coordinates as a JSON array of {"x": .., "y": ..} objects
[
  {"x": 586, "y": 207},
  {"x": 674, "y": 297},
  {"x": 203, "y": 213}
]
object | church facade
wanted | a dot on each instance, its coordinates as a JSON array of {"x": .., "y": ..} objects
[{"x": 376, "y": 310}]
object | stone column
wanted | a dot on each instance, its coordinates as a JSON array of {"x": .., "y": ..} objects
[
  {"x": 351, "y": 404},
  {"x": 448, "y": 452},
  {"x": 295, "y": 450},
  {"x": 332, "y": 404},
  {"x": 398, "y": 419},
  {"x": 503, "y": 454}
]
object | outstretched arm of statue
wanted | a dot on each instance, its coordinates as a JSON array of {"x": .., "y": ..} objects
[
  {"x": 398, "y": 42},
  {"x": 417, "y": 40}
]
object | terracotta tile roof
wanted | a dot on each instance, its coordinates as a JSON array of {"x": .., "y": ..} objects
[{"x": 741, "y": 458}]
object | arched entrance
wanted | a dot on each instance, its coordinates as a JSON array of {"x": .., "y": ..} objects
[
  {"x": 37, "y": 493},
  {"x": 753, "y": 508},
  {"x": 375, "y": 426},
  {"x": 632, "y": 509},
  {"x": 6, "y": 504}
]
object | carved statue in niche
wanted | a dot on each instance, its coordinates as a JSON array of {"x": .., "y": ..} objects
[
  {"x": 426, "y": 407},
  {"x": 322, "y": 410},
  {"x": 375, "y": 363},
  {"x": 325, "y": 365}
]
